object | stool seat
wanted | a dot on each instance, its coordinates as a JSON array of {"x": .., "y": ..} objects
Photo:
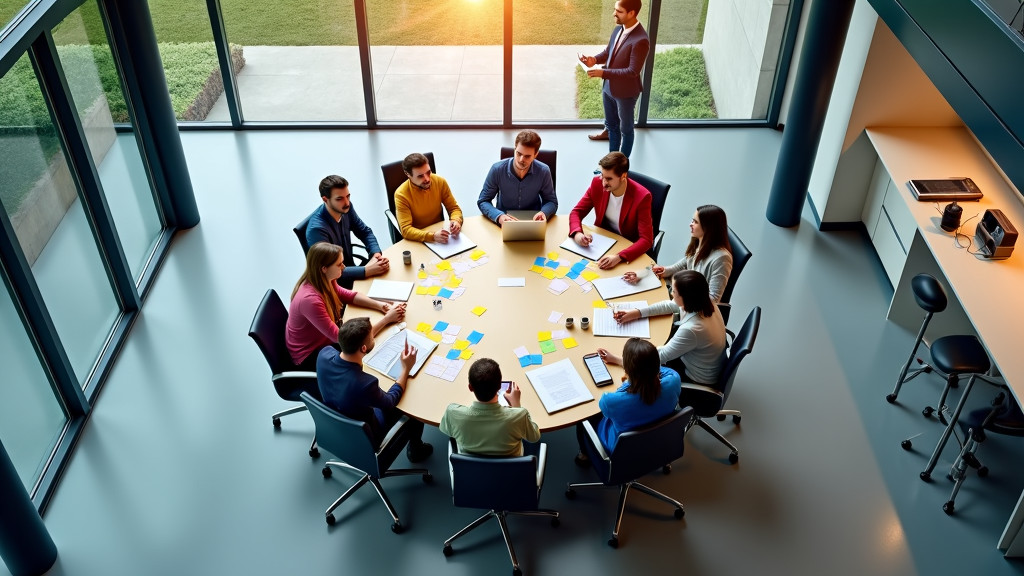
[
  {"x": 960, "y": 355},
  {"x": 928, "y": 292}
]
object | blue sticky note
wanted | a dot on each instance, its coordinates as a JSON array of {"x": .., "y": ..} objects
[
  {"x": 526, "y": 361},
  {"x": 572, "y": 274},
  {"x": 453, "y": 354},
  {"x": 445, "y": 293},
  {"x": 441, "y": 326},
  {"x": 553, "y": 264},
  {"x": 539, "y": 261},
  {"x": 475, "y": 337},
  {"x": 536, "y": 358},
  {"x": 578, "y": 267}
]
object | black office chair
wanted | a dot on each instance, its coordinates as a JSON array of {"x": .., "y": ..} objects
[
  {"x": 352, "y": 442},
  {"x": 394, "y": 177},
  {"x": 501, "y": 485},
  {"x": 708, "y": 401},
  {"x": 637, "y": 453},
  {"x": 267, "y": 330},
  {"x": 740, "y": 256},
  {"x": 659, "y": 192},
  {"x": 549, "y": 157}
]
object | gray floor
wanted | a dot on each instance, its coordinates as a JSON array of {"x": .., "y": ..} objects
[{"x": 179, "y": 470}]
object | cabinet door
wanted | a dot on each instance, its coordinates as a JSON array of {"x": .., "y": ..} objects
[
  {"x": 880, "y": 181},
  {"x": 889, "y": 249}
]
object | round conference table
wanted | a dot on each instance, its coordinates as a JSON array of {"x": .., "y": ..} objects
[{"x": 513, "y": 318}]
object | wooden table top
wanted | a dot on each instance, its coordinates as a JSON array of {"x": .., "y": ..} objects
[{"x": 513, "y": 318}]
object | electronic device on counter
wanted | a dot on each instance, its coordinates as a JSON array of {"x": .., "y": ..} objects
[
  {"x": 951, "y": 217},
  {"x": 598, "y": 371},
  {"x": 995, "y": 235},
  {"x": 946, "y": 189}
]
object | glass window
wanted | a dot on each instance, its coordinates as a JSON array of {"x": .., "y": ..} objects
[
  {"x": 41, "y": 199},
  {"x": 31, "y": 420},
  {"x": 296, "y": 61},
  {"x": 93, "y": 80},
  {"x": 9, "y": 9}
]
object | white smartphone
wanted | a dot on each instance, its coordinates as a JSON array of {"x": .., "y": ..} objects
[{"x": 598, "y": 371}]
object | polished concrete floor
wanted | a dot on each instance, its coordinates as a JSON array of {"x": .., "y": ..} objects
[{"x": 179, "y": 470}]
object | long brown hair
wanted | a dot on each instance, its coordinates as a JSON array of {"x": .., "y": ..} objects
[
  {"x": 692, "y": 288},
  {"x": 643, "y": 368},
  {"x": 322, "y": 255},
  {"x": 716, "y": 232}
]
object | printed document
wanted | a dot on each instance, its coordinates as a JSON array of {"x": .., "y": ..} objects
[
  {"x": 386, "y": 357},
  {"x": 559, "y": 386},
  {"x": 456, "y": 245},
  {"x": 605, "y": 324},
  {"x": 615, "y": 287},
  {"x": 598, "y": 246}
]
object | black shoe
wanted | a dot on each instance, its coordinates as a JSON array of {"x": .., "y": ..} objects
[
  {"x": 582, "y": 460},
  {"x": 419, "y": 452}
]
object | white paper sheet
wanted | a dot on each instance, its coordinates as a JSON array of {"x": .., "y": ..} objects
[
  {"x": 615, "y": 287},
  {"x": 597, "y": 247},
  {"x": 392, "y": 290},
  {"x": 456, "y": 245},
  {"x": 386, "y": 357},
  {"x": 605, "y": 324},
  {"x": 559, "y": 386},
  {"x": 557, "y": 286},
  {"x": 511, "y": 282},
  {"x": 554, "y": 317}
]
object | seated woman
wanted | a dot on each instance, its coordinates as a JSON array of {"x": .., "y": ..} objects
[
  {"x": 620, "y": 205},
  {"x": 707, "y": 253},
  {"x": 697, "y": 349},
  {"x": 317, "y": 305},
  {"x": 649, "y": 392}
]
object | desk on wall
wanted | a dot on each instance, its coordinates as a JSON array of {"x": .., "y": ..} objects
[{"x": 985, "y": 295}]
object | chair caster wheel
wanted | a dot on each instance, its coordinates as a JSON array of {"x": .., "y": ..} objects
[
  {"x": 428, "y": 478},
  {"x": 555, "y": 522},
  {"x": 570, "y": 494},
  {"x": 721, "y": 417},
  {"x": 314, "y": 453},
  {"x": 666, "y": 469},
  {"x": 734, "y": 458},
  {"x": 926, "y": 476},
  {"x": 890, "y": 398},
  {"x": 326, "y": 472},
  {"x": 277, "y": 423},
  {"x": 613, "y": 542},
  {"x": 948, "y": 508},
  {"x": 736, "y": 418},
  {"x": 330, "y": 519},
  {"x": 396, "y": 528},
  {"x": 517, "y": 572},
  {"x": 906, "y": 444},
  {"x": 679, "y": 513},
  {"x": 447, "y": 550},
  {"x": 928, "y": 411},
  {"x": 983, "y": 472}
]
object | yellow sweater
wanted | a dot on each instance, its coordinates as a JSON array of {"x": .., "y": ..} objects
[{"x": 418, "y": 208}]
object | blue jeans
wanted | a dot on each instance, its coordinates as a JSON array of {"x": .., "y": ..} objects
[{"x": 618, "y": 120}]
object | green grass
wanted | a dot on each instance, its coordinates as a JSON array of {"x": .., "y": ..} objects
[{"x": 679, "y": 89}]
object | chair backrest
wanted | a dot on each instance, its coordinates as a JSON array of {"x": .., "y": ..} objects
[
  {"x": 549, "y": 157},
  {"x": 740, "y": 256},
  {"x": 349, "y": 440},
  {"x": 300, "y": 233},
  {"x": 659, "y": 192},
  {"x": 496, "y": 483},
  {"x": 267, "y": 330},
  {"x": 742, "y": 344},
  {"x": 394, "y": 176},
  {"x": 640, "y": 451}
]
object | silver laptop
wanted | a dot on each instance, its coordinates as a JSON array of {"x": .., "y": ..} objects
[{"x": 522, "y": 230}]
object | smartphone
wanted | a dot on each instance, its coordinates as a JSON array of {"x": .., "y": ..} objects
[
  {"x": 598, "y": 371},
  {"x": 506, "y": 385}
]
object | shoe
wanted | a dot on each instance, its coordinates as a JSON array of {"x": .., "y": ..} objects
[
  {"x": 603, "y": 135},
  {"x": 582, "y": 460},
  {"x": 419, "y": 452}
]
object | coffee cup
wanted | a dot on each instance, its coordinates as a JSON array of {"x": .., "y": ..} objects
[
  {"x": 585, "y": 323},
  {"x": 568, "y": 322},
  {"x": 407, "y": 257}
]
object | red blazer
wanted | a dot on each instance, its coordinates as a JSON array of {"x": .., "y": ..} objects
[{"x": 634, "y": 219}]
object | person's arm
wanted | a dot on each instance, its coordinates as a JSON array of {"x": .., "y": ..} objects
[
  {"x": 530, "y": 431},
  {"x": 312, "y": 307},
  {"x": 719, "y": 270},
  {"x": 680, "y": 343},
  {"x": 487, "y": 194},
  {"x": 583, "y": 207},
  {"x": 549, "y": 201},
  {"x": 364, "y": 233},
  {"x": 645, "y": 230},
  {"x": 637, "y": 57},
  {"x": 670, "y": 271},
  {"x": 403, "y": 207},
  {"x": 448, "y": 199},
  {"x": 663, "y": 308}
]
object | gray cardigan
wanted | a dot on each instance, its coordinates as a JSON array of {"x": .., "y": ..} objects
[
  {"x": 715, "y": 268},
  {"x": 698, "y": 342}
]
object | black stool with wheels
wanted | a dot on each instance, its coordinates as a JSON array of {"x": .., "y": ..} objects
[{"x": 932, "y": 298}]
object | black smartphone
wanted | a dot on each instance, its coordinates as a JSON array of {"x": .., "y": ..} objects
[{"x": 598, "y": 371}]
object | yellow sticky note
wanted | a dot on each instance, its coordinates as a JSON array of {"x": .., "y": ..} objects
[
  {"x": 444, "y": 265},
  {"x": 433, "y": 290},
  {"x": 552, "y": 255},
  {"x": 600, "y": 304},
  {"x": 422, "y": 274},
  {"x": 561, "y": 271},
  {"x": 537, "y": 269},
  {"x": 435, "y": 336},
  {"x": 422, "y": 290},
  {"x": 590, "y": 275},
  {"x": 476, "y": 254},
  {"x": 466, "y": 354},
  {"x": 542, "y": 336},
  {"x": 423, "y": 327},
  {"x": 479, "y": 310},
  {"x": 548, "y": 273},
  {"x": 569, "y": 343},
  {"x": 454, "y": 282},
  {"x": 461, "y": 344}
]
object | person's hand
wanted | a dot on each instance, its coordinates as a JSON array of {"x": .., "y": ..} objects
[
  {"x": 393, "y": 313},
  {"x": 596, "y": 72},
  {"x": 658, "y": 270},
  {"x": 587, "y": 60},
  {"x": 608, "y": 357},
  {"x": 408, "y": 357},
  {"x": 377, "y": 266},
  {"x": 540, "y": 217},
  {"x": 607, "y": 262},
  {"x": 630, "y": 278},
  {"x": 513, "y": 395},
  {"x": 455, "y": 227},
  {"x": 626, "y": 316},
  {"x": 582, "y": 238},
  {"x": 506, "y": 218},
  {"x": 441, "y": 236}
]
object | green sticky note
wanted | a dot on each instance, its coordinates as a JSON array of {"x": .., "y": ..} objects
[{"x": 547, "y": 346}]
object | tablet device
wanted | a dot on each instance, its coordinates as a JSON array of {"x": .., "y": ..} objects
[
  {"x": 598, "y": 371},
  {"x": 945, "y": 190},
  {"x": 522, "y": 230}
]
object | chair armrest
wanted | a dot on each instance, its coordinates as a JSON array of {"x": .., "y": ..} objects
[
  {"x": 296, "y": 375},
  {"x": 700, "y": 388},
  {"x": 725, "y": 308},
  {"x": 360, "y": 259},
  {"x": 596, "y": 441},
  {"x": 656, "y": 245},
  {"x": 542, "y": 463},
  {"x": 393, "y": 227},
  {"x": 391, "y": 434}
]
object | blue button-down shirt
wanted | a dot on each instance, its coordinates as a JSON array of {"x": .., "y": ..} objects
[
  {"x": 535, "y": 191},
  {"x": 323, "y": 228}
]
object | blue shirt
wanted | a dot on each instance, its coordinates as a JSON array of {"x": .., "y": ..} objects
[
  {"x": 624, "y": 411},
  {"x": 535, "y": 191},
  {"x": 346, "y": 388},
  {"x": 323, "y": 228}
]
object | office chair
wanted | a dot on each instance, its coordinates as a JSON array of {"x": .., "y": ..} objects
[
  {"x": 708, "y": 401},
  {"x": 394, "y": 177},
  {"x": 300, "y": 233},
  {"x": 549, "y": 157},
  {"x": 638, "y": 452},
  {"x": 740, "y": 256},
  {"x": 267, "y": 330},
  {"x": 501, "y": 485},
  {"x": 352, "y": 442},
  {"x": 659, "y": 192}
]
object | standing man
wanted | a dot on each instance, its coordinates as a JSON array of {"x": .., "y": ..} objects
[
  {"x": 521, "y": 183},
  {"x": 335, "y": 222},
  {"x": 623, "y": 60},
  {"x": 418, "y": 202}
]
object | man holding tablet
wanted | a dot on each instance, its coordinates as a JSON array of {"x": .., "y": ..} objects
[{"x": 520, "y": 183}]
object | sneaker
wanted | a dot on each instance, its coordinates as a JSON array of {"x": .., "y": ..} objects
[
  {"x": 419, "y": 452},
  {"x": 582, "y": 460}
]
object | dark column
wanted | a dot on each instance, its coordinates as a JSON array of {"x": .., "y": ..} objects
[
  {"x": 25, "y": 545},
  {"x": 822, "y": 49}
]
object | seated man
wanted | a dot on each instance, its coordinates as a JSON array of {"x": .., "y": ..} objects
[
  {"x": 486, "y": 427},
  {"x": 620, "y": 205},
  {"x": 418, "y": 203},
  {"x": 520, "y": 183},
  {"x": 335, "y": 222},
  {"x": 345, "y": 387}
]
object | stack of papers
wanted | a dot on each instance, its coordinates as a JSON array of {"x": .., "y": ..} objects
[
  {"x": 444, "y": 369},
  {"x": 391, "y": 290},
  {"x": 559, "y": 386},
  {"x": 386, "y": 357},
  {"x": 605, "y": 324},
  {"x": 456, "y": 245},
  {"x": 598, "y": 246}
]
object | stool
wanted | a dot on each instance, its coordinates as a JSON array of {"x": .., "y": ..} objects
[{"x": 932, "y": 298}]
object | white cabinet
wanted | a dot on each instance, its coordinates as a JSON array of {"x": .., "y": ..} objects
[{"x": 889, "y": 223}]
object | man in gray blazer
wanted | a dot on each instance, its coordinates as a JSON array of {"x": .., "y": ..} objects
[{"x": 623, "y": 60}]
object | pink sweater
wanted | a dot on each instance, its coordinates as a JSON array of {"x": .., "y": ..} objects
[{"x": 310, "y": 327}]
